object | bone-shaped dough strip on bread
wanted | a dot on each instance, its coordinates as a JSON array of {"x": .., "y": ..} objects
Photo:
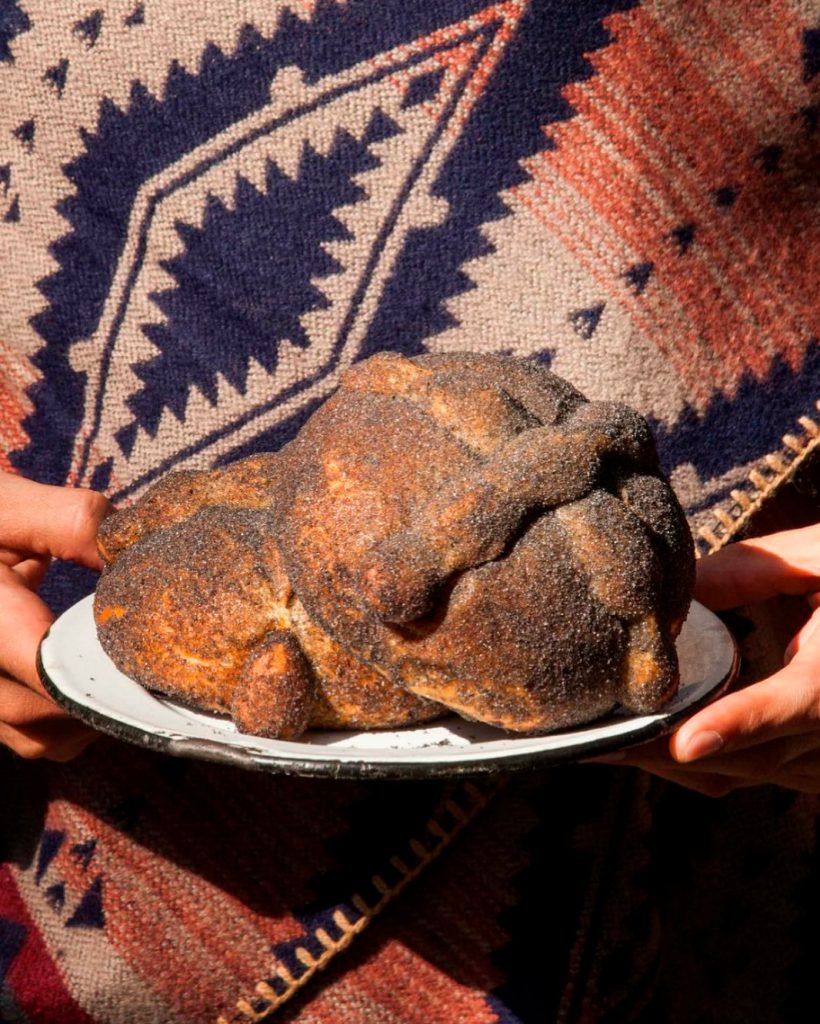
[{"x": 474, "y": 519}]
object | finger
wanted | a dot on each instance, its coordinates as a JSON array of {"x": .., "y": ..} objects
[
  {"x": 767, "y": 761},
  {"x": 757, "y": 569},
  {"x": 802, "y": 775},
  {"x": 46, "y": 520},
  {"x": 32, "y": 570},
  {"x": 654, "y": 759},
  {"x": 67, "y": 748},
  {"x": 705, "y": 783},
  {"x": 785, "y": 704},
  {"x": 24, "y": 619},
  {"x": 21, "y": 706},
  {"x": 11, "y": 556},
  {"x": 56, "y": 741},
  {"x": 31, "y": 567},
  {"x": 658, "y": 762},
  {"x": 792, "y": 762},
  {"x": 656, "y": 749},
  {"x": 807, "y": 636}
]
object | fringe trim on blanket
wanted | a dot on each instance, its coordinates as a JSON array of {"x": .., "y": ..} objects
[
  {"x": 763, "y": 482},
  {"x": 452, "y": 815}
]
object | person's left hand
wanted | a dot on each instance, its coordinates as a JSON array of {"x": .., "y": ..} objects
[
  {"x": 38, "y": 522},
  {"x": 768, "y": 732}
]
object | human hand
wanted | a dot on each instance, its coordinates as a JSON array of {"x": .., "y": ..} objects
[
  {"x": 768, "y": 732},
  {"x": 37, "y": 523}
]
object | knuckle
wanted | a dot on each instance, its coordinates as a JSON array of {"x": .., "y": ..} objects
[{"x": 88, "y": 509}]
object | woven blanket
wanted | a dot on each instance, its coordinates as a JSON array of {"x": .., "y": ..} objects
[{"x": 208, "y": 210}]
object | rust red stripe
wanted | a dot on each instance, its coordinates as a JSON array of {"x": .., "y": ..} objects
[
  {"x": 162, "y": 921},
  {"x": 604, "y": 267},
  {"x": 739, "y": 289},
  {"x": 14, "y": 406},
  {"x": 637, "y": 185},
  {"x": 720, "y": 148},
  {"x": 36, "y": 984},
  {"x": 402, "y": 983},
  {"x": 194, "y": 925},
  {"x": 766, "y": 39}
]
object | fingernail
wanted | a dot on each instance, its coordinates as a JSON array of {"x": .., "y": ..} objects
[{"x": 702, "y": 744}]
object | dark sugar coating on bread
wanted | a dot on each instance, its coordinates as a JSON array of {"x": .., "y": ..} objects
[
  {"x": 510, "y": 666},
  {"x": 455, "y": 531},
  {"x": 163, "y": 619},
  {"x": 244, "y": 484}
]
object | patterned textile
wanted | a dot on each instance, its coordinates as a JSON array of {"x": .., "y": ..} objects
[{"x": 207, "y": 211}]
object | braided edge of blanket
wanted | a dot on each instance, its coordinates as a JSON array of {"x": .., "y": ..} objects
[{"x": 762, "y": 483}]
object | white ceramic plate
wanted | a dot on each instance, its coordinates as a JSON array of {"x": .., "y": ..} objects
[{"x": 81, "y": 676}]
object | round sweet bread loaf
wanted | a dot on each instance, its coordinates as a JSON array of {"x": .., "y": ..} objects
[{"x": 446, "y": 532}]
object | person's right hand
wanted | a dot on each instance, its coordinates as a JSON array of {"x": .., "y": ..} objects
[
  {"x": 37, "y": 523},
  {"x": 767, "y": 732}
]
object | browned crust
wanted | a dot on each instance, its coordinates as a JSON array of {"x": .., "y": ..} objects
[
  {"x": 191, "y": 599},
  {"x": 276, "y": 689},
  {"x": 248, "y": 483},
  {"x": 449, "y": 531},
  {"x": 351, "y": 694},
  {"x": 200, "y": 611}
]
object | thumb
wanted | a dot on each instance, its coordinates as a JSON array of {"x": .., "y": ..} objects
[
  {"x": 46, "y": 520},
  {"x": 782, "y": 705}
]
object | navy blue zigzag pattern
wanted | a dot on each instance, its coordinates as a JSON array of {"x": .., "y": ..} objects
[
  {"x": 484, "y": 36},
  {"x": 129, "y": 146},
  {"x": 507, "y": 126},
  {"x": 13, "y": 22},
  {"x": 245, "y": 277},
  {"x": 749, "y": 424}
]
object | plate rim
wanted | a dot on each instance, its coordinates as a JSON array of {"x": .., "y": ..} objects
[{"x": 256, "y": 759}]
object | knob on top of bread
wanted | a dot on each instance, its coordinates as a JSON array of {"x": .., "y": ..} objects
[{"x": 445, "y": 533}]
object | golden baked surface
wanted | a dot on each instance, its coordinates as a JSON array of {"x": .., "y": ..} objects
[{"x": 445, "y": 532}]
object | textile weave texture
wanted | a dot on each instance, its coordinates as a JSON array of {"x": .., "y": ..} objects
[{"x": 208, "y": 210}]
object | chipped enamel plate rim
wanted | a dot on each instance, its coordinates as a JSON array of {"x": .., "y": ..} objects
[{"x": 78, "y": 673}]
